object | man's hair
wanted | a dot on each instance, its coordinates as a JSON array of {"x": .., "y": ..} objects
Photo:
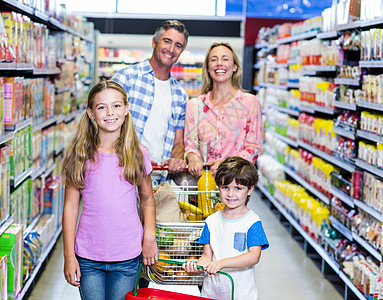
[
  {"x": 177, "y": 25},
  {"x": 236, "y": 168}
]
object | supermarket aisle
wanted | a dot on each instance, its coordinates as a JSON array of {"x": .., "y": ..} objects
[{"x": 284, "y": 272}]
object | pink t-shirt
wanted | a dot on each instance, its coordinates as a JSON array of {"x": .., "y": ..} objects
[
  {"x": 109, "y": 228},
  {"x": 235, "y": 129}
]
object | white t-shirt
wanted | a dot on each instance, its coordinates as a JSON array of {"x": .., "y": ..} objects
[
  {"x": 156, "y": 126},
  {"x": 230, "y": 238}
]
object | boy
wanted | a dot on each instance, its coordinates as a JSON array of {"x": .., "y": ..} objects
[{"x": 233, "y": 237}]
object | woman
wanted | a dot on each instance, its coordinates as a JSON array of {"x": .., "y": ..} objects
[{"x": 229, "y": 119}]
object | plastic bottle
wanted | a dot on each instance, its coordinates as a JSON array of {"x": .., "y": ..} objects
[{"x": 206, "y": 183}]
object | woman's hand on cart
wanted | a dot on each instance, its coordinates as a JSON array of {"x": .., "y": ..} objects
[
  {"x": 172, "y": 165},
  {"x": 191, "y": 267}
]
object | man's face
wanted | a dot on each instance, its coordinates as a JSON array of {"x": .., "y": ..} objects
[{"x": 168, "y": 48}]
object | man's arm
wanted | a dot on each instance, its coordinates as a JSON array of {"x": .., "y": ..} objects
[{"x": 176, "y": 162}]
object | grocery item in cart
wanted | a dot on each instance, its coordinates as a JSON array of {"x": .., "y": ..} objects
[
  {"x": 167, "y": 208},
  {"x": 206, "y": 183}
]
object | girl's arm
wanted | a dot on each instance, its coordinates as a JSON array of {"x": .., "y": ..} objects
[
  {"x": 242, "y": 261},
  {"x": 205, "y": 259},
  {"x": 69, "y": 221},
  {"x": 148, "y": 212}
]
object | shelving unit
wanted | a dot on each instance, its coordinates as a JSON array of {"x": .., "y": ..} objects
[
  {"x": 28, "y": 70},
  {"x": 347, "y": 166}
]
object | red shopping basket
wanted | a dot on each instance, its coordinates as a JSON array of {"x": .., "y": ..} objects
[{"x": 155, "y": 294}]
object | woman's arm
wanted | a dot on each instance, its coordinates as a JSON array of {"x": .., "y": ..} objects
[
  {"x": 69, "y": 221},
  {"x": 252, "y": 144},
  {"x": 148, "y": 212},
  {"x": 242, "y": 261}
]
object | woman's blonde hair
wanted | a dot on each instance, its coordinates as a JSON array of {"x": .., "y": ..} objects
[
  {"x": 85, "y": 143},
  {"x": 207, "y": 82}
]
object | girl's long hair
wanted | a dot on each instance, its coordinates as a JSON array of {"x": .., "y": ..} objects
[
  {"x": 85, "y": 143},
  {"x": 207, "y": 82}
]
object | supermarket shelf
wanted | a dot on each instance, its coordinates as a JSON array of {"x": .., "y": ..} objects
[
  {"x": 374, "y": 170},
  {"x": 368, "y": 209},
  {"x": 64, "y": 89},
  {"x": 374, "y": 252},
  {"x": 373, "y": 22},
  {"x": 342, "y": 196},
  {"x": 294, "y": 61},
  {"x": 323, "y": 109},
  {"x": 371, "y": 64},
  {"x": 46, "y": 71},
  {"x": 307, "y": 109},
  {"x": 347, "y": 81},
  {"x": 327, "y": 35},
  {"x": 298, "y": 37},
  {"x": 369, "y": 136},
  {"x": 325, "y": 68},
  {"x": 272, "y": 85},
  {"x": 345, "y": 105},
  {"x": 293, "y": 85},
  {"x": 44, "y": 124},
  {"x": 352, "y": 25},
  {"x": 19, "y": 125},
  {"x": 262, "y": 45},
  {"x": 42, "y": 258},
  {"x": 36, "y": 173},
  {"x": 371, "y": 105},
  {"x": 332, "y": 263},
  {"x": 308, "y": 72},
  {"x": 118, "y": 60},
  {"x": 352, "y": 287},
  {"x": 285, "y": 139},
  {"x": 328, "y": 157},
  {"x": 20, "y": 178},
  {"x": 50, "y": 169},
  {"x": 341, "y": 228},
  {"x": 6, "y": 136},
  {"x": 32, "y": 225},
  {"x": 304, "y": 183},
  {"x": 343, "y": 132},
  {"x": 59, "y": 150},
  {"x": 4, "y": 66},
  {"x": 286, "y": 110},
  {"x": 5, "y": 224}
]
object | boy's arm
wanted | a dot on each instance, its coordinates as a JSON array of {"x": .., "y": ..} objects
[
  {"x": 207, "y": 256},
  {"x": 242, "y": 261},
  {"x": 148, "y": 212},
  {"x": 69, "y": 221}
]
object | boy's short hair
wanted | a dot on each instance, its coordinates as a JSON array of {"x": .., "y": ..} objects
[
  {"x": 175, "y": 24},
  {"x": 236, "y": 168}
]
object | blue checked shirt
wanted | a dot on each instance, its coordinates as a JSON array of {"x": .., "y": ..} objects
[{"x": 138, "y": 82}]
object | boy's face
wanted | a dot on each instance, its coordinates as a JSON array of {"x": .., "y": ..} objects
[{"x": 234, "y": 195}]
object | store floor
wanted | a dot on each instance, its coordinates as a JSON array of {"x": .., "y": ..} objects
[{"x": 284, "y": 272}]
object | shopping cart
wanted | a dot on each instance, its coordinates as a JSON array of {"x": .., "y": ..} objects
[
  {"x": 156, "y": 294},
  {"x": 179, "y": 241}
]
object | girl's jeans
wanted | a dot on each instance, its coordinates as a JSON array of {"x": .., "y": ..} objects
[{"x": 107, "y": 280}]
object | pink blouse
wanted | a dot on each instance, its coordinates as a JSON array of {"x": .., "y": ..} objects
[{"x": 235, "y": 129}]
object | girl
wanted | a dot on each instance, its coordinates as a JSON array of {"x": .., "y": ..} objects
[{"x": 104, "y": 164}]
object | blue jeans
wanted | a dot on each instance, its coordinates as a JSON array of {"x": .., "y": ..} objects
[{"x": 107, "y": 280}]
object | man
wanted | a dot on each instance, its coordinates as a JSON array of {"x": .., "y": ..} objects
[{"x": 157, "y": 101}]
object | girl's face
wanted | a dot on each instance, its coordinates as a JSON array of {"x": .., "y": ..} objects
[
  {"x": 234, "y": 195},
  {"x": 221, "y": 64},
  {"x": 108, "y": 111}
]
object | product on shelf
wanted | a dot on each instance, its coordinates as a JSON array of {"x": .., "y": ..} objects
[
  {"x": 32, "y": 252},
  {"x": 11, "y": 244}
]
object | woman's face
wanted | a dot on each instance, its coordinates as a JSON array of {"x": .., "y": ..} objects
[{"x": 221, "y": 64}]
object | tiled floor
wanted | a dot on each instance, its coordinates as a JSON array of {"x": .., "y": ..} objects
[{"x": 285, "y": 272}]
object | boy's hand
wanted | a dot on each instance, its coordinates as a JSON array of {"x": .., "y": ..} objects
[
  {"x": 191, "y": 267},
  {"x": 213, "y": 267}
]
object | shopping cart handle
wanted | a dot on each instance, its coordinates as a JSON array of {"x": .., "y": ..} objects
[
  {"x": 180, "y": 263},
  {"x": 164, "y": 168}
]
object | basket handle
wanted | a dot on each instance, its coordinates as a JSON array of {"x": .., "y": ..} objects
[{"x": 180, "y": 263}]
